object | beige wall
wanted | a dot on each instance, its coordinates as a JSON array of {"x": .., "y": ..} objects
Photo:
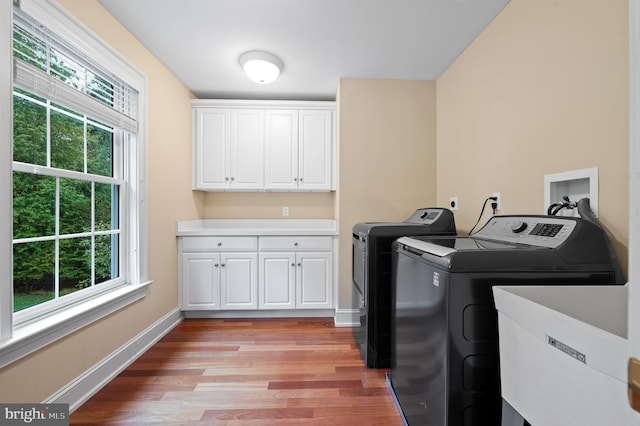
[
  {"x": 387, "y": 158},
  {"x": 268, "y": 205},
  {"x": 170, "y": 198},
  {"x": 544, "y": 89}
]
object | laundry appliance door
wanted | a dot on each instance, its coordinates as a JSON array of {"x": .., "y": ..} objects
[
  {"x": 419, "y": 341},
  {"x": 359, "y": 263},
  {"x": 360, "y": 284}
]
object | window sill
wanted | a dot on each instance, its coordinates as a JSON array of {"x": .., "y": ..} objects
[{"x": 38, "y": 334}]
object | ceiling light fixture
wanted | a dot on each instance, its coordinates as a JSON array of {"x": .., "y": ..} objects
[{"x": 261, "y": 67}]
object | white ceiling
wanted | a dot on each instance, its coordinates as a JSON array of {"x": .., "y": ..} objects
[{"x": 319, "y": 41}]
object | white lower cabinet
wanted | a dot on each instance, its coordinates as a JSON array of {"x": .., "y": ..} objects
[
  {"x": 276, "y": 282},
  {"x": 218, "y": 273},
  {"x": 313, "y": 280},
  {"x": 279, "y": 273},
  {"x": 300, "y": 278},
  {"x": 295, "y": 281},
  {"x": 238, "y": 281},
  {"x": 200, "y": 281},
  {"x": 219, "y": 281}
]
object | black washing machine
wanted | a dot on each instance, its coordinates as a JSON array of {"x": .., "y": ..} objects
[
  {"x": 445, "y": 368},
  {"x": 371, "y": 272}
]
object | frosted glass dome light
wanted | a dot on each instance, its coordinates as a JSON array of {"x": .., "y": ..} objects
[{"x": 261, "y": 67}]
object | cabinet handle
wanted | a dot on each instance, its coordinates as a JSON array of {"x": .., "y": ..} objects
[
  {"x": 295, "y": 244},
  {"x": 293, "y": 265},
  {"x": 216, "y": 265},
  {"x": 300, "y": 179},
  {"x": 299, "y": 265},
  {"x": 232, "y": 179},
  {"x": 226, "y": 179},
  {"x": 219, "y": 244},
  {"x": 223, "y": 265},
  {"x": 295, "y": 179}
]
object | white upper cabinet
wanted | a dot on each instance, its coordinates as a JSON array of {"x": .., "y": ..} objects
[
  {"x": 247, "y": 149},
  {"x": 228, "y": 149},
  {"x": 315, "y": 150},
  {"x": 263, "y": 145},
  {"x": 281, "y": 150},
  {"x": 211, "y": 155},
  {"x": 299, "y": 150}
]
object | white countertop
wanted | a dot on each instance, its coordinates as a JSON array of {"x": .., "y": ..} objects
[{"x": 229, "y": 227}]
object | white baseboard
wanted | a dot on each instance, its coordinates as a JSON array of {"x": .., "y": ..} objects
[
  {"x": 91, "y": 381},
  {"x": 347, "y": 318},
  {"x": 268, "y": 313}
]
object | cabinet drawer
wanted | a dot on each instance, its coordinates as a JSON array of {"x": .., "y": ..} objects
[
  {"x": 220, "y": 244},
  {"x": 295, "y": 243}
]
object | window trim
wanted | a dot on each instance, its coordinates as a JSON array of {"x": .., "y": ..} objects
[
  {"x": 21, "y": 341},
  {"x": 38, "y": 334},
  {"x": 6, "y": 159}
]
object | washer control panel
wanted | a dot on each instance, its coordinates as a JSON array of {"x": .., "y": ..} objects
[
  {"x": 533, "y": 230},
  {"x": 425, "y": 216}
]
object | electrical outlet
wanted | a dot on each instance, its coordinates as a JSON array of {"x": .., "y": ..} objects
[
  {"x": 453, "y": 203},
  {"x": 285, "y": 211},
  {"x": 498, "y": 201}
]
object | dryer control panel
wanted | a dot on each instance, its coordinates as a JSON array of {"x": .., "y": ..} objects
[
  {"x": 425, "y": 216},
  {"x": 544, "y": 231}
]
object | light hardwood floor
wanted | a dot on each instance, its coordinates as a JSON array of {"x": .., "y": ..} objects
[{"x": 249, "y": 372}]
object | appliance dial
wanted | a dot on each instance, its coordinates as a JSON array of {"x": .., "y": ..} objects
[{"x": 518, "y": 226}]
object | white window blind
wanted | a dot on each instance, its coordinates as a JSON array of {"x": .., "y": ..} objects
[{"x": 46, "y": 67}]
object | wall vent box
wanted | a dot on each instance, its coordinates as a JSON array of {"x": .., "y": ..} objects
[{"x": 575, "y": 184}]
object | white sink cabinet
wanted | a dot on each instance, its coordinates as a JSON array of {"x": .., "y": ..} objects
[{"x": 563, "y": 353}]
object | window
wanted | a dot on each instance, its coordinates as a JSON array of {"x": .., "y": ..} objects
[
  {"x": 77, "y": 175},
  {"x": 66, "y": 216}
]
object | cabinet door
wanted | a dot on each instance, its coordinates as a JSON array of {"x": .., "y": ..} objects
[
  {"x": 211, "y": 159},
  {"x": 316, "y": 145},
  {"x": 239, "y": 280},
  {"x": 281, "y": 150},
  {"x": 200, "y": 281},
  {"x": 276, "y": 277},
  {"x": 247, "y": 149},
  {"x": 314, "y": 280}
]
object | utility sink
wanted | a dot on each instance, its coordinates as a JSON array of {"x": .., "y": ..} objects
[{"x": 563, "y": 353}]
